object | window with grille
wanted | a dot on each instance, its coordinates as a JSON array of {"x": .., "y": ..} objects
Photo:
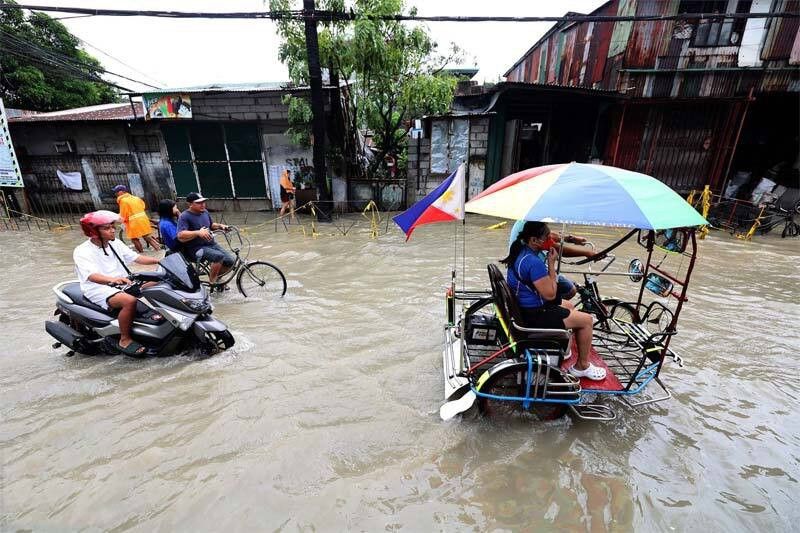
[{"x": 715, "y": 31}]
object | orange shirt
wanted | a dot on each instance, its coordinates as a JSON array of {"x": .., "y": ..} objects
[{"x": 286, "y": 182}]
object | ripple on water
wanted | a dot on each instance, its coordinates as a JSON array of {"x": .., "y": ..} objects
[{"x": 324, "y": 415}]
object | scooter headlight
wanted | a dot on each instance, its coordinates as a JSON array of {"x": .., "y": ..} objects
[{"x": 198, "y": 306}]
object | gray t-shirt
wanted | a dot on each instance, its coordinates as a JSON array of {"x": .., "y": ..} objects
[{"x": 189, "y": 221}]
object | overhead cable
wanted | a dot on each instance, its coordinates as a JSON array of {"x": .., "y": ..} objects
[
  {"x": 334, "y": 16},
  {"x": 59, "y": 57}
]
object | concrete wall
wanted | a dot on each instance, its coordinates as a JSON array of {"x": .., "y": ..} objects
[
  {"x": 107, "y": 154},
  {"x": 476, "y": 165},
  {"x": 37, "y": 138},
  {"x": 422, "y": 181}
]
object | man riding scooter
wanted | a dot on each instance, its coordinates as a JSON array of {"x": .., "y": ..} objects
[{"x": 100, "y": 272}]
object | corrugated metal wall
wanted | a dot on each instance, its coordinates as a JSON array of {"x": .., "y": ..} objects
[
  {"x": 685, "y": 145},
  {"x": 606, "y": 59}
]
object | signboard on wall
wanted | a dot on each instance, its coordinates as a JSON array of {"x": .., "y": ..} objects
[
  {"x": 10, "y": 174},
  {"x": 167, "y": 106}
]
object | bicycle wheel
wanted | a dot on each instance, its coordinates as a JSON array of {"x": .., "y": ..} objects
[
  {"x": 511, "y": 381},
  {"x": 259, "y": 278}
]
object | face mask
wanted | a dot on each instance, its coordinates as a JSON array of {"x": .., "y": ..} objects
[{"x": 548, "y": 244}]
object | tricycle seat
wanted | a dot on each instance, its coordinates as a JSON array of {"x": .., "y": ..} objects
[{"x": 509, "y": 313}]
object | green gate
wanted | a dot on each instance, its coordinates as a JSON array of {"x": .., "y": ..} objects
[{"x": 218, "y": 160}]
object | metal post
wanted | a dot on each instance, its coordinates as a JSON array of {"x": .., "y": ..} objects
[
  {"x": 194, "y": 163},
  {"x": 228, "y": 160},
  {"x": 619, "y": 134}
]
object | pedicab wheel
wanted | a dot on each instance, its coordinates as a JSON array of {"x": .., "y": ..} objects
[
  {"x": 511, "y": 381},
  {"x": 261, "y": 279},
  {"x": 622, "y": 311},
  {"x": 616, "y": 309}
]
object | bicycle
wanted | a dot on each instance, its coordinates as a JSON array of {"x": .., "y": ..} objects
[
  {"x": 253, "y": 278},
  {"x": 772, "y": 215}
]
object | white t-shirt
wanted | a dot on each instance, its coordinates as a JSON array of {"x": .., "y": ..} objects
[{"x": 90, "y": 259}]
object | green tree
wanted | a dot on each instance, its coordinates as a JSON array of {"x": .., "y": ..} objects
[
  {"x": 391, "y": 72},
  {"x": 42, "y": 66}
]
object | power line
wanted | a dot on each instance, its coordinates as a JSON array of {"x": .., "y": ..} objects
[
  {"x": 61, "y": 70},
  {"x": 70, "y": 61},
  {"x": 337, "y": 16},
  {"x": 90, "y": 45}
]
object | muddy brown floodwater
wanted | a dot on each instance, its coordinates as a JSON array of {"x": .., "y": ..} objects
[{"x": 324, "y": 416}]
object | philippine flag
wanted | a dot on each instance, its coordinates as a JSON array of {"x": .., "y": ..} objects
[{"x": 443, "y": 204}]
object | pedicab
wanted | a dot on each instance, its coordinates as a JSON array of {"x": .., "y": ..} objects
[{"x": 492, "y": 359}]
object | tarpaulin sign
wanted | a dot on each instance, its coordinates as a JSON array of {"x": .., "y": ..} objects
[
  {"x": 167, "y": 105},
  {"x": 10, "y": 174}
]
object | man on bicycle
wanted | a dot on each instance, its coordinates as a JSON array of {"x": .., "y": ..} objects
[{"x": 194, "y": 231}]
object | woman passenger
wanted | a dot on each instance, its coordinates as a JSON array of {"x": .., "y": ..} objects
[
  {"x": 168, "y": 224},
  {"x": 534, "y": 285}
]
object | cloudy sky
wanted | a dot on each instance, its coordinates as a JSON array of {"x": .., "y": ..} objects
[{"x": 175, "y": 53}]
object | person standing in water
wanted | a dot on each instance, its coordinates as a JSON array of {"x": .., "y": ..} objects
[
  {"x": 133, "y": 215},
  {"x": 287, "y": 194}
]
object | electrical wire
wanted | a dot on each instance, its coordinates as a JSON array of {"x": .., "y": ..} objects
[
  {"x": 64, "y": 60},
  {"x": 336, "y": 16},
  {"x": 62, "y": 70},
  {"x": 90, "y": 45}
]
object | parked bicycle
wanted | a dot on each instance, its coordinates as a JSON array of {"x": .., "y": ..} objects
[{"x": 253, "y": 278}]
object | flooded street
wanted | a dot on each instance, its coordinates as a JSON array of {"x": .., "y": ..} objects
[{"x": 324, "y": 415}]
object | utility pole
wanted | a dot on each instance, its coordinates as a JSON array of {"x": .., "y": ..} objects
[{"x": 318, "y": 112}]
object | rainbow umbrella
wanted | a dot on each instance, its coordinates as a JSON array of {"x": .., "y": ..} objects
[{"x": 578, "y": 193}]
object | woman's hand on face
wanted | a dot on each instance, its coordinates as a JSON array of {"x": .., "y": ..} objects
[{"x": 551, "y": 260}]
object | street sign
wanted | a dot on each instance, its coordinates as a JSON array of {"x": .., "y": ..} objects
[{"x": 10, "y": 174}]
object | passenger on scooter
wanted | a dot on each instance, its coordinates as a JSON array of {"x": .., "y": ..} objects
[
  {"x": 572, "y": 246},
  {"x": 98, "y": 270},
  {"x": 534, "y": 285},
  {"x": 194, "y": 231},
  {"x": 168, "y": 214}
]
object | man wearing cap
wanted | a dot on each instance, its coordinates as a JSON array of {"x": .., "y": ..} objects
[
  {"x": 194, "y": 231},
  {"x": 133, "y": 215}
]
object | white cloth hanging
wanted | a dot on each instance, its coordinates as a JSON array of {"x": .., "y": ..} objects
[{"x": 71, "y": 180}]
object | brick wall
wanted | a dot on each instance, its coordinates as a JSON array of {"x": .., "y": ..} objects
[
  {"x": 263, "y": 106},
  {"x": 419, "y": 170},
  {"x": 239, "y": 106}
]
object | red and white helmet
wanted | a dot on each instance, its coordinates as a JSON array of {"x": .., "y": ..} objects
[{"x": 90, "y": 221}]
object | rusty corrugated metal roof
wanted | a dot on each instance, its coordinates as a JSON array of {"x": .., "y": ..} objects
[{"x": 103, "y": 112}]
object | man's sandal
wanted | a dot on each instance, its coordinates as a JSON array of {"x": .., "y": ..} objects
[{"x": 134, "y": 349}]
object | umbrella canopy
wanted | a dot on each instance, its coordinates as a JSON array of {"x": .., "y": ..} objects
[{"x": 578, "y": 193}]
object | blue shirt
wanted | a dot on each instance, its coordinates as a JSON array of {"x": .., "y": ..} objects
[
  {"x": 189, "y": 221},
  {"x": 530, "y": 269},
  {"x": 169, "y": 233}
]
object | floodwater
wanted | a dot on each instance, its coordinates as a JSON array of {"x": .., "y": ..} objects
[{"x": 324, "y": 416}]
